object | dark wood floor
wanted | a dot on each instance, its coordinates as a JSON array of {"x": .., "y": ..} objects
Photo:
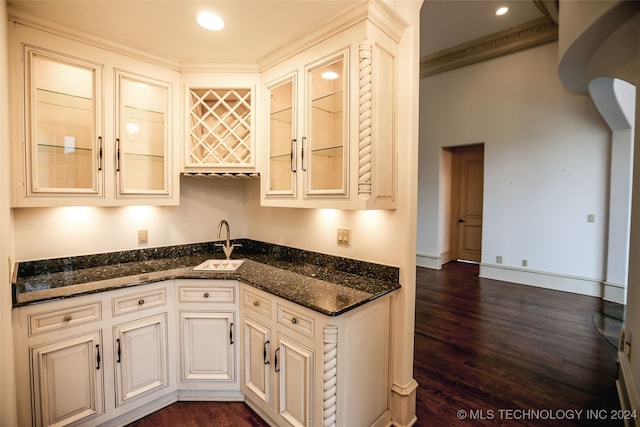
[{"x": 487, "y": 353}]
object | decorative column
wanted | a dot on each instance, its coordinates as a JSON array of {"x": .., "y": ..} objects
[
  {"x": 329, "y": 378},
  {"x": 364, "y": 119}
]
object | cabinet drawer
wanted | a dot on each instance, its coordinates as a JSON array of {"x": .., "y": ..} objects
[
  {"x": 220, "y": 294},
  {"x": 257, "y": 304},
  {"x": 296, "y": 321},
  {"x": 60, "y": 319},
  {"x": 139, "y": 301}
]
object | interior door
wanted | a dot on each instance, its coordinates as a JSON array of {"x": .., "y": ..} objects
[{"x": 468, "y": 169}]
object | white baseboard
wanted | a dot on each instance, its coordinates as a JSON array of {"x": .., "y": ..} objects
[
  {"x": 614, "y": 292},
  {"x": 627, "y": 391},
  {"x": 543, "y": 279},
  {"x": 433, "y": 261}
]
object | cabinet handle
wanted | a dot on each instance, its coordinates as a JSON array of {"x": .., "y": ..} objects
[
  {"x": 304, "y": 139},
  {"x": 206, "y": 295},
  {"x": 294, "y": 320},
  {"x": 294, "y": 167},
  {"x": 264, "y": 355},
  {"x": 231, "y": 333},
  {"x": 140, "y": 301},
  {"x": 117, "y": 154},
  {"x": 67, "y": 318},
  {"x": 275, "y": 356},
  {"x": 119, "y": 350},
  {"x": 99, "y": 153},
  {"x": 256, "y": 303},
  {"x": 98, "y": 356}
]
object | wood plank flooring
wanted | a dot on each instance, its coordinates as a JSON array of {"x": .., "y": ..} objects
[
  {"x": 502, "y": 354},
  {"x": 485, "y": 347}
]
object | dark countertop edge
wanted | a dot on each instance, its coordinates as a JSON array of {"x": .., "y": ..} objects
[{"x": 180, "y": 273}]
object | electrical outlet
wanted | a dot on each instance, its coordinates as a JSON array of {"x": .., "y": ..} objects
[
  {"x": 591, "y": 218},
  {"x": 525, "y": 262},
  {"x": 143, "y": 237},
  {"x": 344, "y": 237},
  {"x": 499, "y": 259}
]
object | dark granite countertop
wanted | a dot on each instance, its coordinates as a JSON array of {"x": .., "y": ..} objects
[{"x": 327, "y": 284}]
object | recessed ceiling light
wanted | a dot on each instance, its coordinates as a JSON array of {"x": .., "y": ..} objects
[
  {"x": 210, "y": 21},
  {"x": 502, "y": 10}
]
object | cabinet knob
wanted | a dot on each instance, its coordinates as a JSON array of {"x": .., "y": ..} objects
[
  {"x": 256, "y": 303},
  {"x": 206, "y": 294},
  {"x": 67, "y": 318},
  {"x": 140, "y": 301},
  {"x": 294, "y": 320}
]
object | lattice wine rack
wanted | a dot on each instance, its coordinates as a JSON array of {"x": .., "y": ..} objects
[{"x": 220, "y": 123}]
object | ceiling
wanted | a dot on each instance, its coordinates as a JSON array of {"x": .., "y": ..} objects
[
  {"x": 255, "y": 28},
  {"x": 448, "y": 23}
]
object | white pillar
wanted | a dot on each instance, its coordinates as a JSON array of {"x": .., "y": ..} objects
[{"x": 615, "y": 288}]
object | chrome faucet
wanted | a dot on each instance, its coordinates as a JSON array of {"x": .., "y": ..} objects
[{"x": 227, "y": 247}]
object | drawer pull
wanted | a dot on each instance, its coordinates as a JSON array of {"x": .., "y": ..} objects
[
  {"x": 256, "y": 303},
  {"x": 140, "y": 301},
  {"x": 294, "y": 320},
  {"x": 67, "y": 318},
  {"x": 206, "y": 295}
]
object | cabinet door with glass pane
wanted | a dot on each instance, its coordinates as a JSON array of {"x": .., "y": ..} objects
[
  {"x": 142, "y": 136},
  {"x": 324, "y": 146},
  {"x": 63, "y": 127},
  {"x": 282, "y": 167}
]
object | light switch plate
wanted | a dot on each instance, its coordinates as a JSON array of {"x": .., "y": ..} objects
[
  {"x": 143, "y": 237},
  {"x": 344, "y": 237}
]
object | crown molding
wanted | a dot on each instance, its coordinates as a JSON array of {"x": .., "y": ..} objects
[{"x": 524, "y": 36}]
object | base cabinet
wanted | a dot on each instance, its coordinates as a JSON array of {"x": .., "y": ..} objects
[
  {"x": 302, "y": 368},
  {"x": 208, "y": 339},
  {"x": 294, "y": 363},
  {"x": 141, "y": 357},
  {"x": 98, "y": 359},
  {"x": 67, "y": 380}
]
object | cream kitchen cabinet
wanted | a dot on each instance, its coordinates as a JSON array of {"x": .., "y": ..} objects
[
  {"x": 207, "y": 311},
  {"x": 303, "y": 368},
  {"x": 141, "y": 357},
  {"x": 97, "y": 127},
  {"x": 330, "y": 125},
  {"x": 220, "y": 123},
  {"x": 67, "y": 379},
  {"x": 95, "y": 359}
]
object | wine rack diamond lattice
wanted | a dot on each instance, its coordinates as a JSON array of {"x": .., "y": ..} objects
[{"x": 220, "y": 128}]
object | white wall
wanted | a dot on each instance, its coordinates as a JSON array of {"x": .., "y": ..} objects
[
  {"x": 546, "y": 167},
  {"x": 42, "y": 233}
]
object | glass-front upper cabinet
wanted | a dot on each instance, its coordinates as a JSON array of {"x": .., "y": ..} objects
[
  {"x": 282, "y": 159},
  {"x": 142, "y": 135},
  {"x": 64, "y": 150},
  {"x": 325, "y": 159}
]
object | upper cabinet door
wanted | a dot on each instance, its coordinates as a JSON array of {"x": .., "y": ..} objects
[
  {"x": 142, "y": 135},
  {"x": 325, "y": 143},
  {"x": 282, "y": 167},
  {"x": 63, "y": 127}
]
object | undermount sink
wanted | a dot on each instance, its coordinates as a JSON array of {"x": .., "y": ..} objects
[{"x": 219, "y": 265}]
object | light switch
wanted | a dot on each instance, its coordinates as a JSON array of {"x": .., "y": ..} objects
[
  {"x": 344, "y": 236},
  {"x": 591, "y": 218},
  {"x": 143, "y": 237}
]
